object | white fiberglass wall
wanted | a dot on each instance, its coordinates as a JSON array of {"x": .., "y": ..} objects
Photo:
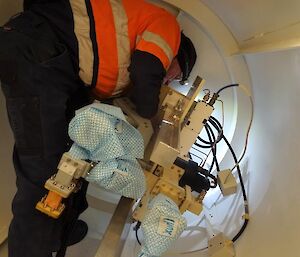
[{"x": 274, "y": 169}]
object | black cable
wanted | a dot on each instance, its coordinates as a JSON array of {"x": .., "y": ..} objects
[
  {"x": 243, "y": 191},
  {"x": 212, "y": 139},
  {"x": 219, "y": 128},
  {"x": 213, "y": 121},
  {"x": 215, "y": 96},
  {"x": 218, "y": 125},
  {"x": 137, "y": 237},
  {"x": 136, "y": 228},
  {"x": 202, "y": 146},
  {"x": 204, "y": 141},
  {"x": 228, "y": 86},
  {"x": 241, "y": 230},
  {"x": 238, "y": 167},
  {"x": 219, "y": 138},
  {"x": 210, "y": 144},
  {"x": 214, "y": 148}
]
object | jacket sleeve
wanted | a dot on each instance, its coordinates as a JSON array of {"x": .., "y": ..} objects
[
  {"x": 146, "y": 74},
  {"x": 161, "y": 37}
]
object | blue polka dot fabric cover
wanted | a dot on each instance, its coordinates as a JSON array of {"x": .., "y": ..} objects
[
  {"x": 101, "y": 134},
  {"x": 162, "y": 225}
]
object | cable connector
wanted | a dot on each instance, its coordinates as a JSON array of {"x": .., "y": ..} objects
[
  {"x": 246, "y": 216},
  {"x": 213, "y": 99},
  {"x": 220, "y": 245},
  {"x": 206, "y": 96},
  {"x": 137, "y": 226}
]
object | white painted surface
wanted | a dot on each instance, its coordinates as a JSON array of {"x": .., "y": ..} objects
[
  {"x": 274, "y": 169},
  {"x": 249, "y": 18},
  {"x": 210, "y": 23},
  {"x": 260, "y": 25}
]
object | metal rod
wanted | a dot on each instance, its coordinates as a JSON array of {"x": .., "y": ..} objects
[{"x": 117, "y": 231}]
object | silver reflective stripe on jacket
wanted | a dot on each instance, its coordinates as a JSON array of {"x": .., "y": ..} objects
[
  {"x": 82, "y": 32},
  {"x": 123, "y": 44},
  {"x": 159, "y": 41}
]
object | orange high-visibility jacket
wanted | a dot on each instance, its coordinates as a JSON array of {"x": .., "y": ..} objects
[{"x": 109, "y": 31}]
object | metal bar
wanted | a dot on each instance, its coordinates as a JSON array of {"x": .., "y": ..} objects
[
  {"x": 166, "y": 147},
  {"x": 117, "y": 231}
]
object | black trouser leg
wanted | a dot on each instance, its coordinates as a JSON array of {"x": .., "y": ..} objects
[{"x": 39, "y": 83}]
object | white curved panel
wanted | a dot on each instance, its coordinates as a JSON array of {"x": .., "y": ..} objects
[
  {"x": 210, "y": 23},
  {"x": 248, "y": 18},
  {"x": 251, "y": 26},
  {"x": 260, "y": 25},
  {"x": 274, "y": 227}
]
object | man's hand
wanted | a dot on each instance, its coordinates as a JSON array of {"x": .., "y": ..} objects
[{"x": 174, "y": 72}]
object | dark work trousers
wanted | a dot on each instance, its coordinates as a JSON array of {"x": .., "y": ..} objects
[{"x": 42, "y": 89}]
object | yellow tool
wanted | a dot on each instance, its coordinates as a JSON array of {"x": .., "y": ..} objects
[{"x": 62, "y": 184}]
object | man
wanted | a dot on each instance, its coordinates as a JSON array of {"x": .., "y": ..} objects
[{"x": 51, "y": 57}]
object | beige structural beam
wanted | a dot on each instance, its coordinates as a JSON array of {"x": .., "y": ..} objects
[{"x": 284, "y": 38}]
